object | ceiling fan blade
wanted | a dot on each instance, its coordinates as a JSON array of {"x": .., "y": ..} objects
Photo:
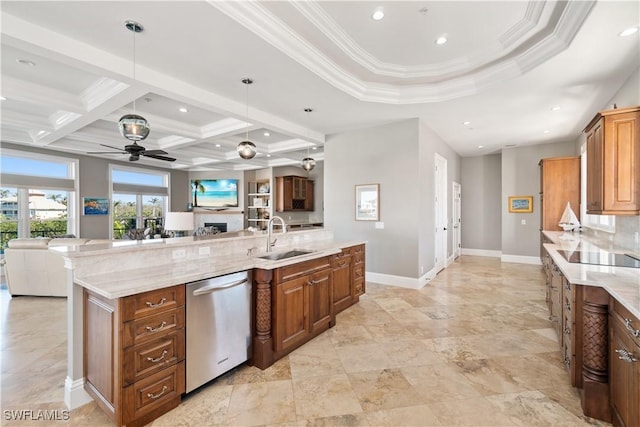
[
  {"x": 154, "y": 152},
  {"x": 155, "y": 156},
  {"x": 106, "y": 152},
  {"x": 115, "y": 148}
]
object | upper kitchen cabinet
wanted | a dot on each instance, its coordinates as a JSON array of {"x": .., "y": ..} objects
[
  {"x": 613, "y": 162},
  {"x": 559, "y": 184},
  {"x": 294, "y": 193}
]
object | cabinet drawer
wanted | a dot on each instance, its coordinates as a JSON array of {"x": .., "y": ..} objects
[
  {"x": 145, "y": 359},
  {"x": 359, "y": 287},
  {"x": 358, "y": 272},
  {"x": 153, "y": 302},
  {"x": 338, "y": 261},
  {"x": 154, "y": 392},
  {"x": 627, "y": 322},
  {"x": 150, "y": 327},
  {"x": 293, "y": 271}
]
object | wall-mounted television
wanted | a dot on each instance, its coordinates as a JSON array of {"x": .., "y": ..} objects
[{"x": 214, "y": 193}]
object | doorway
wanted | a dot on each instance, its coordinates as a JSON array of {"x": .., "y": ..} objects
[
  {"x": 441, "y": 212},
  {"x": 457, "y": 222}
]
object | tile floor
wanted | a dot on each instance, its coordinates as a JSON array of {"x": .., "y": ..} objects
[{"x": 472, "y": 348}]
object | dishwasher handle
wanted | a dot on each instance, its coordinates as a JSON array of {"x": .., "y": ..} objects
[{"x": 213, "y": 288}]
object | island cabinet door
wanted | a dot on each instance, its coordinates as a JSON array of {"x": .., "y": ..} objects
[
  {"x": 342, "y": 283},
  {"x": 320, "y": 304},
  {"x": 291, "y": 311}
]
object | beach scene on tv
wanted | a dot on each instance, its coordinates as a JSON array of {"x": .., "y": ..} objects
[{"x": 215, "y": 193}]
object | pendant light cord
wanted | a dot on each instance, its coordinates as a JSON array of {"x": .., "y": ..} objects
[
  {"x": 247, "y": 105},
  {"x": 134, "y": 66}
]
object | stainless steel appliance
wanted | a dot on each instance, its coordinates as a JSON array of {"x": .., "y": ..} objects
[{"x": 218, "y": 326}]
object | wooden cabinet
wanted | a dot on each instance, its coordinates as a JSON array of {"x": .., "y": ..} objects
[
  {"x": 342, "y": 280},
  {"x": 134, "y": 353},
  {"x": 259, "y": 204},
  {"x": 624, "y": 360},
  {"x": 294, "y": 193},
  {"x": 357, "y": 271},
  {"x": 613, "y": 162},
  {"x": 559, "y": 184},
  {"x": 303, "y": 303}
]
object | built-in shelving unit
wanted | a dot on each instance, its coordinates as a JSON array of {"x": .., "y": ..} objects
[{"x": 259, "y": 203}]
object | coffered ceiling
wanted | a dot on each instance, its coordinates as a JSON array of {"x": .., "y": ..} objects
[{"x": 510, "y": 73}]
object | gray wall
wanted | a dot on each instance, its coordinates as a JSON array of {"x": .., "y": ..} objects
[
  {"x": 398, "y": 156},
  {"x": 521, "y": 177},
  {"x": 93, "y": 177},
  {"x": 481, "y": 212}
]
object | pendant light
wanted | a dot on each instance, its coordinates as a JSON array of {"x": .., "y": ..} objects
[
  {"x": 247, "y": 149},
  {"x": 132, "y": 126},
  {"x": 308, "y": 163}
]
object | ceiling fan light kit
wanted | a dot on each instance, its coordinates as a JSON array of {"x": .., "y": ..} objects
[
  {"x": 132, "y": 126},
  {"x": 247, "y": 149}
]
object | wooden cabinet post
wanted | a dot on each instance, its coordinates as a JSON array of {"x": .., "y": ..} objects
[{"x": 262, "y": 335}]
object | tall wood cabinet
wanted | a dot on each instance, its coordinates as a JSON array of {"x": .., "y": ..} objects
[
  {"x": 613, "y": 162},
  {"x": 559, "y": 184},
  {"x": 294, "y": 193},
  {"x": 134, "y": 355}
]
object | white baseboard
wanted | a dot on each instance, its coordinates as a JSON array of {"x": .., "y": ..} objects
[
  {"x": 75, "y": 395},
  {"x": 400, "y": 281},
  {"x": 481, "y": 252},
  {"x": 520, "y": 259}
]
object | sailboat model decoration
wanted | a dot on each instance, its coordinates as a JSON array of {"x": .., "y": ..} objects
[{"x": 569, "y": 221}]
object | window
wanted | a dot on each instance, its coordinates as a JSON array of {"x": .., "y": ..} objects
[
  {"x": 597, "y": 222},
  {"x": 140, "y": 199},
  {"x": 38, "y": 197}
]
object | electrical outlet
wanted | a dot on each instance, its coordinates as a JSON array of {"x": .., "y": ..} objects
[
  {"x": 178, "y": 253},
  {"x": 523, "y": 222},
  {"x": 206, "y": 250},
  {"x": 380, "y": 225}
]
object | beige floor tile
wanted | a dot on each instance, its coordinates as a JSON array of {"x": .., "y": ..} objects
[
  {"x": 347, "y": 420},
  {"x": 488, "y": 378},
  {"x": 533, "y": 408},
  {"x": 318, "y": 397},
  {"x": 364, "y": 357},
  {"x": 261, "y": 403},
  {"x": 470, "y": 412},
  {"x": 384, "y": 389},
  {"x": 439, "y": 382},
  {"x": 421, "y": 415}
]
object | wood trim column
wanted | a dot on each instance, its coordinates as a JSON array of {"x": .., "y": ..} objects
[
  {"x": 263, "y": 335},
  {"x": 595, "y": 367}
]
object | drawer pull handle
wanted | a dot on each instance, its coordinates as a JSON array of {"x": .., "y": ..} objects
[
  {"x": 152, "y": 329},
  {"x": 156, "y": 360},
  {"x": 313, "y": 282},
  {"x": 634, "y": 332},
  {"x": 342, "y": 263},
  {"x": 160, "y": 304},
  {"x": 155, "y": 396},
  {"x": 626, "y": 356}
]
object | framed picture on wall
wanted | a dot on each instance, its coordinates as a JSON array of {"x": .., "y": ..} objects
[
  {"x": 521, "y": 204},
  {"x": 95, "y": 206},
  {"x": 367, "y": 202}
]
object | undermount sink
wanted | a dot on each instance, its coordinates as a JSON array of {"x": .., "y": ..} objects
[{"x": 285, "y": 255}]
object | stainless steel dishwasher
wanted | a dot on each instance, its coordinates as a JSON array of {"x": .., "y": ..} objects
[{"x": 218, "y": 326}]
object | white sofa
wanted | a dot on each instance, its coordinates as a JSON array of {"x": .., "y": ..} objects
[{"x": 32, "y": 269}]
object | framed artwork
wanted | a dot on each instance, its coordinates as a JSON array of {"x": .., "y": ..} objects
[
  {"x": 521, "y": 204},
  {"x": 367, "y": 202},
  {"x": 95, "y": 206}
]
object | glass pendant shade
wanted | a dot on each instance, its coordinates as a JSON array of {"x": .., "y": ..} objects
[
  {"x": 247, "y": 150},
  {"x": 308, "y": 163},
  {"x": 133, "y": 127}
]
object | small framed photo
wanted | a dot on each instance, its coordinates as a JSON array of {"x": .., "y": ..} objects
[
  {"x": 521, "y": 204},
  {"x": 95, "y": 206},
  {"x": 368, "y": 202}
]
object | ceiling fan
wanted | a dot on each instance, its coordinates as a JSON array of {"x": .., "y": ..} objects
[{"x": 135, "y": 151}]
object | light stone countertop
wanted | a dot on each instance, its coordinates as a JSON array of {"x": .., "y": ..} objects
[
  {"x": 623, "y": 283},
  {"x": 117, "y": 284}
]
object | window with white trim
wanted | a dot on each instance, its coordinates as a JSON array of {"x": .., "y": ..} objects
[
  {"x": 38, "y": 195},
  {"x": 140, "y": 198}
]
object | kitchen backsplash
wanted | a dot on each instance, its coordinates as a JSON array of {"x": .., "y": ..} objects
[{"x": 626, "y": 237}]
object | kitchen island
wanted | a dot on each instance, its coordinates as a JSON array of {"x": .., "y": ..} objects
[
  {"x": 595, "y": 310},
  {"x": 126, "y": 303}
]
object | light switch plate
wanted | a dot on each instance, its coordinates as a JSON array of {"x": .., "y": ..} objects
[
  {"x": 380, "y": 225},
  {"x": 523, "y": 222}
]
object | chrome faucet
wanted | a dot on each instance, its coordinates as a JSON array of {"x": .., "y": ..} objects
[{"x": 271, "y": 244}]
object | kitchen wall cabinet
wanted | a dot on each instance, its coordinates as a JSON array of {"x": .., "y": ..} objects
[
  {"x": 613, "y": 162},
  {"x": 624, "y": 356},
  {"x": 134, "y": 353},
  {"x": 559, "y": 184},
  {"x": 294, "y": 193}
]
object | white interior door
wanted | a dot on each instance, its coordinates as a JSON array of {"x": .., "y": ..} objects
[
  {"x": 441, "y": 212},
  {"x": 457, "y": 222}
]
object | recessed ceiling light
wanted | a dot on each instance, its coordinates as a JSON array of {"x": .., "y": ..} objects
[
  {"x": 628, "y": 31},
  {"x": 480, "y": 146},
  {"x": 183, "y": 110},
  {"x": 466, "y": 123},
  {"x": 378, "y": 14},
  {"x": 266, "y": 134},
  {"x": 546, "y": 131},
  {"x": 218, "y": 146},
  {"x": 2, "y": 98},
  {"x": 442, "y": 39},
  {"x": 26, "y": 62},
  {"x": 314, "y": 148},
  {"x": 268, "y": 155},
  {"x": 555, "y": 108}
]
